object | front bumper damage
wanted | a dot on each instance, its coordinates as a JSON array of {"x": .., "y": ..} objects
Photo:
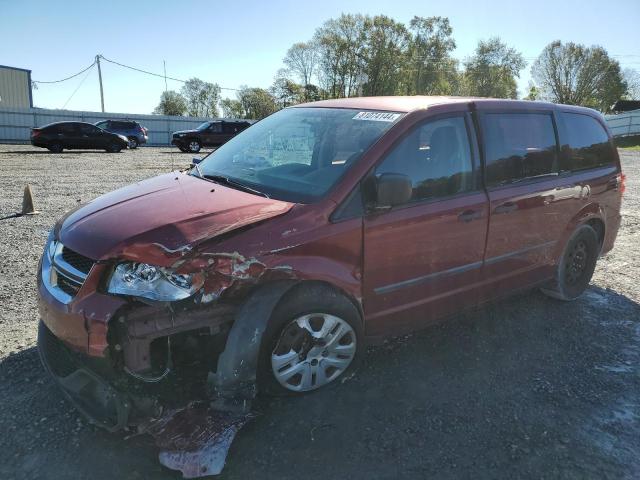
[{"x": 195, "y": 429}]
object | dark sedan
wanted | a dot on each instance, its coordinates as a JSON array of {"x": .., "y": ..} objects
[{"x": 76, "y": 135}]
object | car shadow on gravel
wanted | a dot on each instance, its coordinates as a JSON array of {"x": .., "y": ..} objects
[{"x": 528, "y": 387}]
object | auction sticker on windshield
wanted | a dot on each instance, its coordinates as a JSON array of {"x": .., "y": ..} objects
[{"x": 377, "y": 116}]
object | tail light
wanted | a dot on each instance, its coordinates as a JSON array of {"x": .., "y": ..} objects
[
  {"x": 621, "y": 182},
  {"x": 35, "y": 132}
]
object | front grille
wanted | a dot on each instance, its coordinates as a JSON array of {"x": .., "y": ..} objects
[
  {"x": 67, "y": 286},
  {"x": 64, "y": 271},
  {"x": 79, "y": 262}
]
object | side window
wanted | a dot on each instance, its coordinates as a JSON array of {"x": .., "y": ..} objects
[
  {"x": 585, "y": 143},
  {"x": 103, "y": 125},
  {"x": 229, "y": 127},
  {"x": 518, "y": 146},
  {"x": 436, "y": 156},
  {"x": 86, "y": 129},
  {"x": 215, "y": 127},
  {"x": 67, "y": 128}
]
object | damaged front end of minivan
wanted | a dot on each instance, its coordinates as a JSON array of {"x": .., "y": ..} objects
[{"x": 158, "y": 334}]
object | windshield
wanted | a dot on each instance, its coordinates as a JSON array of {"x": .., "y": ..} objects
[
  {"x": 204, "y": 126},
  {"x": 298, "y": 154}
]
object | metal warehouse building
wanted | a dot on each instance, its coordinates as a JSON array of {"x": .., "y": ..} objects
[{"x": 15, "y": 87}]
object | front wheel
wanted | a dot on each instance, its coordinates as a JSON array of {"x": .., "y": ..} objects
[
  {"x": 194, "y": 146},
  {"x": 133, "y": 143},
  {"x": 576, "y": 265},
  {"x": 313, "y": 338},
  {"x": 114, "y": 148}
]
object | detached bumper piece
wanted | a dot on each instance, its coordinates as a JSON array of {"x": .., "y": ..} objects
[{"x": 94, "y": 396}]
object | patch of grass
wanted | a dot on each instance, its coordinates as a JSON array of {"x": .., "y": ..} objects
[{"x": 629, "y": 143}]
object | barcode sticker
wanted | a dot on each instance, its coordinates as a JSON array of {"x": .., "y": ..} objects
[{"x": 377, "y": 116}]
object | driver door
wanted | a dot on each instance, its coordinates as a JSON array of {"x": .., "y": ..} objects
[{"x": 423, "y": 260}]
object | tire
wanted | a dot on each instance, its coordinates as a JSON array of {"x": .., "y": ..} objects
[
  {"x": 194, "y": 146},
  {"x": 114, "y": 148},
  {"x": 133, "y": 143},
  {"x": 318, "y": 361},
  {"x": 183, "y": 150},
  {"x": 576, "y": 265},
  {"x": 55, "y": 148}
]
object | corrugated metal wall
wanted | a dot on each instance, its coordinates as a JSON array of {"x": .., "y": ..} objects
[
  {"x": 624, "y": 124},
  {"x": 16, "y": 124},
  {"x": 15, "y": 87}
]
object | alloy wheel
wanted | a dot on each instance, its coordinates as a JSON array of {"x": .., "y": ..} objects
[{"x": 312, "y": 351}]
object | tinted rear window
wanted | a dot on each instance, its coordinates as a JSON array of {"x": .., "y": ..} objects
[
  {"x": 518, "y": 146},
  {"x": 585, "y": 143}
]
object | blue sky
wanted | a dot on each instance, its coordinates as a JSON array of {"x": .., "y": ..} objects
[{"x": 235, "y": 43}]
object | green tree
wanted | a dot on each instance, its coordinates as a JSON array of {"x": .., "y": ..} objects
[
  {"x": 429, "y": 67},
  {"x": 383, "y": 56},
  {"x": 171, "y": 103},
  {"x": 286, "y": 92},
  {"x": 202, "y": 98},
  {"x": 251, "y": 103},
  {"x": 301, "y": 59},
  {"x": 340, "y": 45},
  {"x": 578, "y": 75},
  {"x": 534, "y": 92},
  {"x": 232, "y": 108},
  {"x": 492, "y": 70}
]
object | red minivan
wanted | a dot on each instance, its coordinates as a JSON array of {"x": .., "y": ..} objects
[{"x": 272, "y": 262}]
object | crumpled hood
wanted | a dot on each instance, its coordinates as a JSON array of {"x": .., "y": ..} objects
[{"x": 161, "y": 218}]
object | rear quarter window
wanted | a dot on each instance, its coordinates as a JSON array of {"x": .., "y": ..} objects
[
  {"x": 518, "y": 146},
  {"x": 585, "y": 143}
]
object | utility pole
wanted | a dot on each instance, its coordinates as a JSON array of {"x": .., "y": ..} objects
[
  {"x": 100, "y": 79},
  {"x": 165, "y": 74}
]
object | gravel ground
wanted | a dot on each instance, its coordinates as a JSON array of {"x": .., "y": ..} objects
[{"x": 526, "y": 388}]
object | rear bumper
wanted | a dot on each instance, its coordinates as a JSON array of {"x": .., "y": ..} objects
[{"x": 611, "y": 232}]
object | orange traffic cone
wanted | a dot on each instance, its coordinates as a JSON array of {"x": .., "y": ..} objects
[{"x": 28, "y": 208}]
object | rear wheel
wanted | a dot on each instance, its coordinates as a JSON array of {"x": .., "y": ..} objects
[
  {"x": 183, "y": 149},
  {"x": 194, "y": 146},
  {"x": 55, "y": 148},
  {"x": 133, "y": 142},
  {"x": 313, "y": 338},
  {"x": 576, "y": 265}
]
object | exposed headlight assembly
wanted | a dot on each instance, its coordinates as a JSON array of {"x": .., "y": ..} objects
[{"x": 155, "y": 283}]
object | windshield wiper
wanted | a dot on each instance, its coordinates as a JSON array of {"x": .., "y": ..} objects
[
  {"x": 198, "y": 171},
  {"x": 233, "y": 183}
]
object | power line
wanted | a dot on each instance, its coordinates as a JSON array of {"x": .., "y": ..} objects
[
  {"x": 78, "y": 87},
  {"x": 156, "y": 74},
  {"x": 68, "y": 78}
]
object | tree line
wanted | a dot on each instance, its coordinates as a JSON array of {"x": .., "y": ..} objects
[{"x": 361, "y": 55}]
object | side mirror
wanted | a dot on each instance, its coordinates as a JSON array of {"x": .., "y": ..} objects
[
  {"x": 392, "y": 189},
  {"x": 196, "y": 160}
]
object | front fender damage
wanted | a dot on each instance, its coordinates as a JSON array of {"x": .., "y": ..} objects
[
  {"x": 196, "y": 439},
  {"x": 236, "y": 299}
]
